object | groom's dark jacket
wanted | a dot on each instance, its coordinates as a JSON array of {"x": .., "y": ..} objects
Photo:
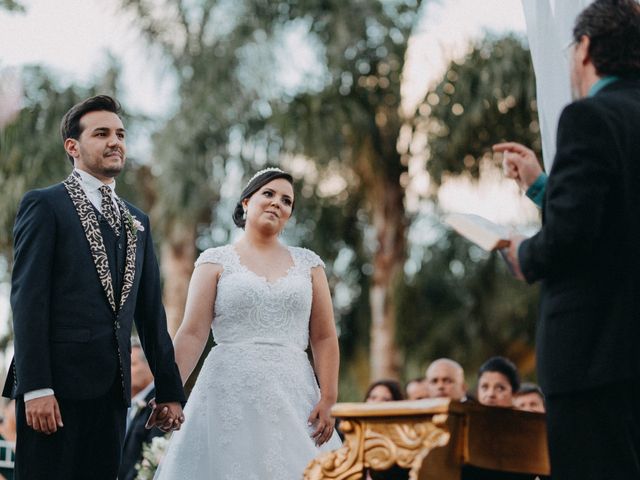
[{"x": 76, "y": 291}]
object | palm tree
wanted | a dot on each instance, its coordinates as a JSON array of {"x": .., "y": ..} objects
[
  {"x": 352, "y": 118},
  {"x": 355, "y": 119}
]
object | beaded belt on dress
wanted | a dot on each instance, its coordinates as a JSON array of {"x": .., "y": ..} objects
[{"x": 275, "y": 342}]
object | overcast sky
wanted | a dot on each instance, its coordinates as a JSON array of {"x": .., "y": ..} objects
[{"x": 74, "y": 36}]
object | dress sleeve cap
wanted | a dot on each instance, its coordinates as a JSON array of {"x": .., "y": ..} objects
[
  {"x": 309, "y": 258},
  {"x": 215, "y": 255}
]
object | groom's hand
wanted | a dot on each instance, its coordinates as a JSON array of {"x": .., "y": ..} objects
[
  {"x": 166, "y": 416},
  {"x": 43, "y": 414}
]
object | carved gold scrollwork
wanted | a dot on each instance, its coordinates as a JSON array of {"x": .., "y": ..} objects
[
  {"x": 406, "y": 445},
  {"x": 380, "y": 444},
  {"x": 345, "y": 463}
]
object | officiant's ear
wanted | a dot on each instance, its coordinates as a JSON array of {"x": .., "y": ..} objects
[
  {"x": 581, "y": 49},
  {"x": 71, "y": 147}
]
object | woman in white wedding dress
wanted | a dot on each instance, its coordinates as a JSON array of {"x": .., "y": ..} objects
[{"x": 256, "y": 410}]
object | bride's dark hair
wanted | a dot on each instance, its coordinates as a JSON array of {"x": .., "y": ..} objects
[{"x": 259, "y": 180}]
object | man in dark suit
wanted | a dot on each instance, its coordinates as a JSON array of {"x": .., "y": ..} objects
[
  {"x": 586, "y": 255},
  {"x": 84, "y": 270},
  {"x": 142, "y": 391}
]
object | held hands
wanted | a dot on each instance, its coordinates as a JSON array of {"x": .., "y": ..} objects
[
  {"x": 519, "y": 163},
  {"x": 43, "y": 414},
  {"x": 166, "y": 416},
  {"x": 322, "y": 421}
]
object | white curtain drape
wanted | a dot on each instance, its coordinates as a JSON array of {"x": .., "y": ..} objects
[{"x": 549, "y": 27}]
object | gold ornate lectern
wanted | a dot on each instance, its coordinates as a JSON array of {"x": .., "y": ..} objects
[{"x": 433, "y": 439}]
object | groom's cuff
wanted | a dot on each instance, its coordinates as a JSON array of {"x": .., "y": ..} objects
[{"x": 33, "y": 394}]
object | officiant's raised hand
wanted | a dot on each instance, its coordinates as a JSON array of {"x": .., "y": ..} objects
[
  {"x": 166, "y": 416},
  {"x": 519, "y": 163},
  {"x": 43, "y": 414}
]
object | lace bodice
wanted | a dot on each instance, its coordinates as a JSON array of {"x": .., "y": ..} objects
[{"x": 249, "y": 308}]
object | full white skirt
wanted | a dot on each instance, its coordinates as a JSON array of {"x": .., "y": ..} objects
[{"x": 246, "y": 417}]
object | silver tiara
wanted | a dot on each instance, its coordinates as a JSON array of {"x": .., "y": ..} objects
[{"x": 263, "y": 171}]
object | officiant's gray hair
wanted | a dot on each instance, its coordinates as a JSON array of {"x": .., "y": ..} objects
[{"x": 259, "y": 180}]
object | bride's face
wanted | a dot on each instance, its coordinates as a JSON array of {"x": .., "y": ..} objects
[{"x": 271, "y": 206}]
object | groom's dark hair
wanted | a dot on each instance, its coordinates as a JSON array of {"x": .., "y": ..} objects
[
  {"x": 256, "y": 183},
  {"x": 70, "y": 126}
]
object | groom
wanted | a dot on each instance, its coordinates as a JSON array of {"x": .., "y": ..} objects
[{"x": 84, "y": 270}]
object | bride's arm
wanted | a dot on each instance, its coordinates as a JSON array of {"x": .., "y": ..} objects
[
  {"x": 192, "y": 335},
  {"x": 326, "y": 355}
]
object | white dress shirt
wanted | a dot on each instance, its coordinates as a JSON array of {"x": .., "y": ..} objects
[
  {"x": 90, "y": 185},
  {"x": 138, "y": 403}
]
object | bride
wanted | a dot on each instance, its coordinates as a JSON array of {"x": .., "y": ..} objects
[{"x": 256, "y": 410}]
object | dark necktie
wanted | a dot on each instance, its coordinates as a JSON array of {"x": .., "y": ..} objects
[{"x": 108, "y": 209}]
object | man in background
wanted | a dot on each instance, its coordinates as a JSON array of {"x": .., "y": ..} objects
[
  {"x": 445, "y": 379},
  {"x": 142, "y": 391},
  {"x": 417, "y": 389},
  {"x": 529, "y": 398}
]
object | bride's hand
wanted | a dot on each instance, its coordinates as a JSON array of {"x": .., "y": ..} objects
[{"x": 323, "y": 422}]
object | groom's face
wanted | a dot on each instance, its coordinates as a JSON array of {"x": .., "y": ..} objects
[{"x": 101, "y": 148}]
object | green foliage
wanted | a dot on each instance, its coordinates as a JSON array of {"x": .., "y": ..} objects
[
  {"x": 31, "y": 153},
  {"x": 464, "y": 304},
  {"x": 486, "y": 97},
  {"x": 11, "y": 6},
  {"x": 354, "y": 121},
  {"x": 364, "y": 45}
]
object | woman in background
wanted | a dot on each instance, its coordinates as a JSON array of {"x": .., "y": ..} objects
[
  {"x": 498, "y": 380},
  {"x": 384, "y": 391}
]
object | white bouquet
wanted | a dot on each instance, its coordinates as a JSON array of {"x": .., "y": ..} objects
[{"x": 152, "y": 454}]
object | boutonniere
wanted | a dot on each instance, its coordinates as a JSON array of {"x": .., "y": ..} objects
[
  {"x": 140, "y": 404},
  {"x": 135, "y": 224}
]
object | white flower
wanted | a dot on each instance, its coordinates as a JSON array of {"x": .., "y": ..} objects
[
  {"x": 136, "y": 225},
  {"x": 152, "y": 455}
]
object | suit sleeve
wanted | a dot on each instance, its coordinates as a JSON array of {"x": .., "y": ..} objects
[
  {"x": 151, "y": 323},
  {"x": 577, "y": 189},
  {"x": 34, "y": 236}
]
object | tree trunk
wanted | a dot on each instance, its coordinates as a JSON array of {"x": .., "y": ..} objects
[
  {"x": 388, "y": 270},
  {"x": 385, "y": 197},
  {"x": 178, "y": 253}
]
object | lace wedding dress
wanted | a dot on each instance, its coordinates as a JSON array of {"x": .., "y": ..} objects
[{"x": 246, "y": 418}]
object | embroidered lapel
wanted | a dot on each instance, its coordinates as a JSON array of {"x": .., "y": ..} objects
[
  {"x": 91, "y": 228},
  {"x": 130, "y": 261}
]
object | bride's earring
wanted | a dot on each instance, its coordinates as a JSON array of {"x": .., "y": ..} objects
[{"x": 244, "y": 214}]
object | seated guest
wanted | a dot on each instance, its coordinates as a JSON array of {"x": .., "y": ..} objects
[
  {"x": 445, "y": 379},
  {"x": 529, "y": 398},
  {"x": 384, "y": 391},
  {"x": 417, "y": 389},
  {"x": 498, "y": 380},
  {"x": 142, "y": 390}
]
